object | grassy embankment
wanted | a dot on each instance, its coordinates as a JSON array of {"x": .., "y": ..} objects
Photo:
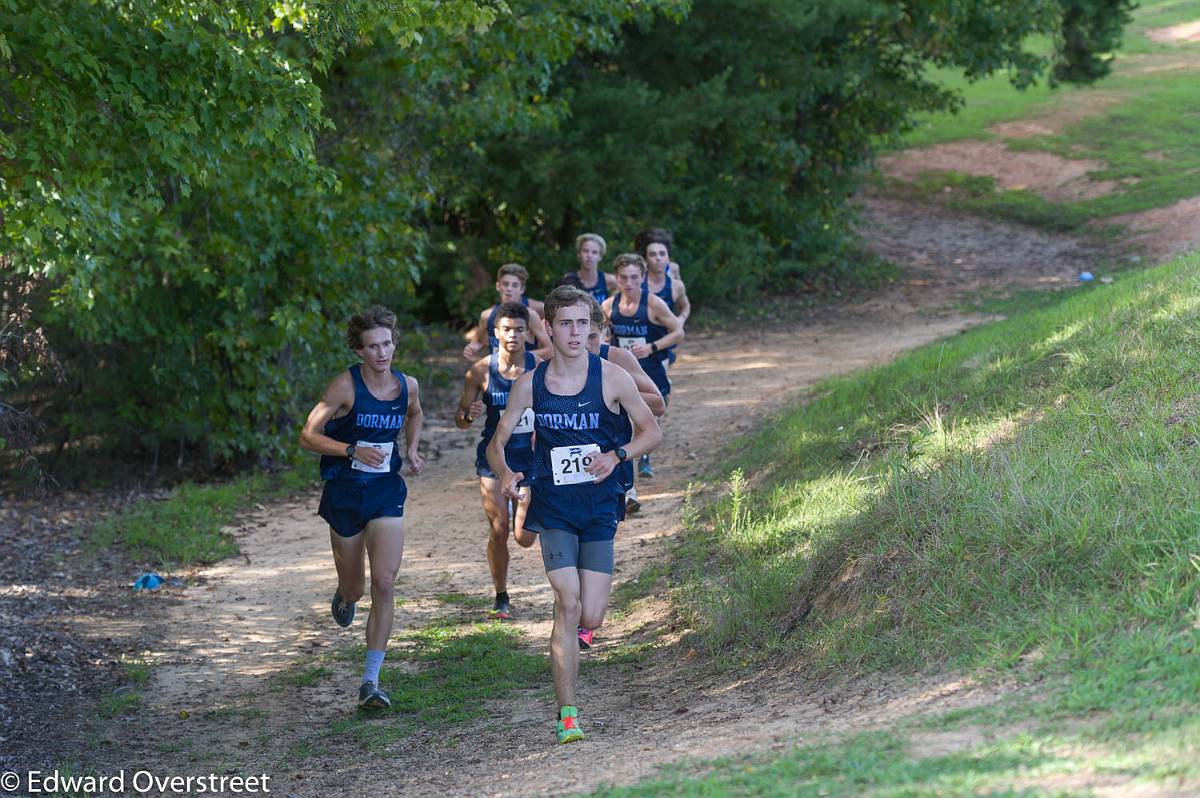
[
  {"x": 1135, "y": 121},
  {"x": 1017, "y": 502}
]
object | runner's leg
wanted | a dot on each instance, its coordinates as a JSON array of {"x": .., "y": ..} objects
[
  {"x": 495, "y": 507},
  {"x": 564, "y": 650},
  {"x": 594, "y": 589},
  {"x": 385, "y": 549},
  {"x": 522, "y": 535},
  {"x": 348, "y": 560}
]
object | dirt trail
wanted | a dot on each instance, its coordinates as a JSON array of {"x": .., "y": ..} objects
[{"x": 251, "y": 618}]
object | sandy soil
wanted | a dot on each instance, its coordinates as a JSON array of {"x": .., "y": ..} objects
[
  {"x": 1053, "y": 177},
  {"x": 216, "y": 702},
  {"x": 1182, "y": 33}
]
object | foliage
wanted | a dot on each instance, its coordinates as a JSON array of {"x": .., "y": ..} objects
[
  {"x": 204, "y": 191},
  {"x": 743, "y": 126}
]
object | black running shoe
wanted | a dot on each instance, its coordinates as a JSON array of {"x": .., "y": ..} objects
[
  {"x": 371, "y": 697},
  {"x": 343, "y": 611},
  {"x": 500, "y": 609}
]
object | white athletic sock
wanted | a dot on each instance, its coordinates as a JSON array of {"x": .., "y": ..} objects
[
  {"x": 374, "y": 663},
  {"x": 631, "y": 493}
]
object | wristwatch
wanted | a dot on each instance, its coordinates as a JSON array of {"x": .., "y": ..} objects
[
  {"x": 621, "y": 455},
  {"x": 654, "y": 346},
  {"x": 350, "y": 448}
]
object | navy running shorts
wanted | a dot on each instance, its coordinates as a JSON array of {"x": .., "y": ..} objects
[{"x": 348, "y": 505}]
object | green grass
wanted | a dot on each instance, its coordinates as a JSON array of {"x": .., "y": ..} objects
[
  {"x": 462, "y": 671},
  {"x": 186, "y": 527},
  {"x": 1017, "y": 500},
  {"x": 1140, "y": 122}
]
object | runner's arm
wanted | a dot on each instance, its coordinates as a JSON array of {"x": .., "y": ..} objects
[
  {"x": 538, "y": 330},
  {"x": 412, "y": 426},
  {"x": 537, "y": 306},
  {"x": 520, "y": 398},
  {"x": 682, "y": 303},
  {"x": 337, "y": 397},
  {"x": 619, "y": 386},
  {"x": 661, "y": 315},
  {"x": 646, "y": 387},
  {"x": 470, "y": 406},
  {"x": 673, "y": 269},
  {"x": 477, "y": 338},
  {"x": 610, "y": 282}
]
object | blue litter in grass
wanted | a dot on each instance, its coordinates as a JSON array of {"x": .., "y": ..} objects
[{"x": 148, "y": 581}]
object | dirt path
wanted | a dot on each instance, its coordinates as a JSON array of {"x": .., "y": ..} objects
[{"x": 215, "y": 702}]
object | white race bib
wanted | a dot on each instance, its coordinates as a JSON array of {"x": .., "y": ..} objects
[
  {"x": 569, "y": 463},
  {"x": 627, "y": 343},
  {"x": 525, "y": 424},
  {"x": 386, "y": 448}
]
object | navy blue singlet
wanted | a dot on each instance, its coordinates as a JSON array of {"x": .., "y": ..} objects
[
  {"x": 639, "y": 326},
  {"x": 625, "y": 468},
  {"x": 494, "y": 342},
  {"x": 371, "y": 420},
  {"x": 656, "y": 330},
  {"x": 518, "y": 452},
  {"x": 599, "y": 291},
  {"x": 574, "y": 421}
]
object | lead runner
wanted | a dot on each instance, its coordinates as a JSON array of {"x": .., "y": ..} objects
[{"x": 577, "y": 490}]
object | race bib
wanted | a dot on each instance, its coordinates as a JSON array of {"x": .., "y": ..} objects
[
  {"x": 627, "y": 343},
  {"x": 525, "y": 424},
  {"x": 386, "y": 448},
  {"x": 569, "y": 463}
]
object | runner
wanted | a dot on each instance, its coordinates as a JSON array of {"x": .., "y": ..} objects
[
  {"x": 660, "y": 235},
  {"x": 354, "y": 428},
  {"x": 643, "y": 325},
  {"x": 655, "y": 248},
  {"x": 510, "y": 285},
  {"x": 577, "y": 400},
  {"x": 598, "y": 345},
  {"x": 492, "y": 379},
  {"x": 589, "y": 250}
]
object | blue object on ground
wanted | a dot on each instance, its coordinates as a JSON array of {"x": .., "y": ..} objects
[
  {"x": 148, "y": 581},
  {"x": 1086, "y": 277}
]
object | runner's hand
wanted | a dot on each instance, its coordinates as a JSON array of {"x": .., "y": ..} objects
[
  {"x": 416, "y": 463},
  {"x": 509, "y": 486},
  {"x": 478, "y": 408},
  {"x": 602, "y": 465},
  {"x": 640, "y": 351},
  {"x": 369, "y": 456},
  {"x": 471, "y": 350}
]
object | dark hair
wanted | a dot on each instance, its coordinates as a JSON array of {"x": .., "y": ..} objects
[
  {"x": 571, "y": 279},
  {"x": 372, "y": 318},
  {"x": 513, "y": 310},
  {"x": 653, "y": 235},
  {"x": 564, "y": 296}
]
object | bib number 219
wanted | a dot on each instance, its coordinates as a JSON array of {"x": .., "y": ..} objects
[{"x": 570, "y": 463}]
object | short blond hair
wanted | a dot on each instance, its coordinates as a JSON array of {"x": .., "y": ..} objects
[{"x": 595, "y": 238}]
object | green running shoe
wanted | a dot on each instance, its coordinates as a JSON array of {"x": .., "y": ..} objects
[{"x": 568, "y": 726}]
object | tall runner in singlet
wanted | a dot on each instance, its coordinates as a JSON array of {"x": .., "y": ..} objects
[
  {"x": 654, "y": 246},
  {"x": 577, "y": 490},
  {"x": 642, "y": 324},
  {"x": 510, "y": 285},
  {"x": 589, "y": 251},
  {"x": 485, "y": 393},
  {"x": 355, "y": 428}
]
